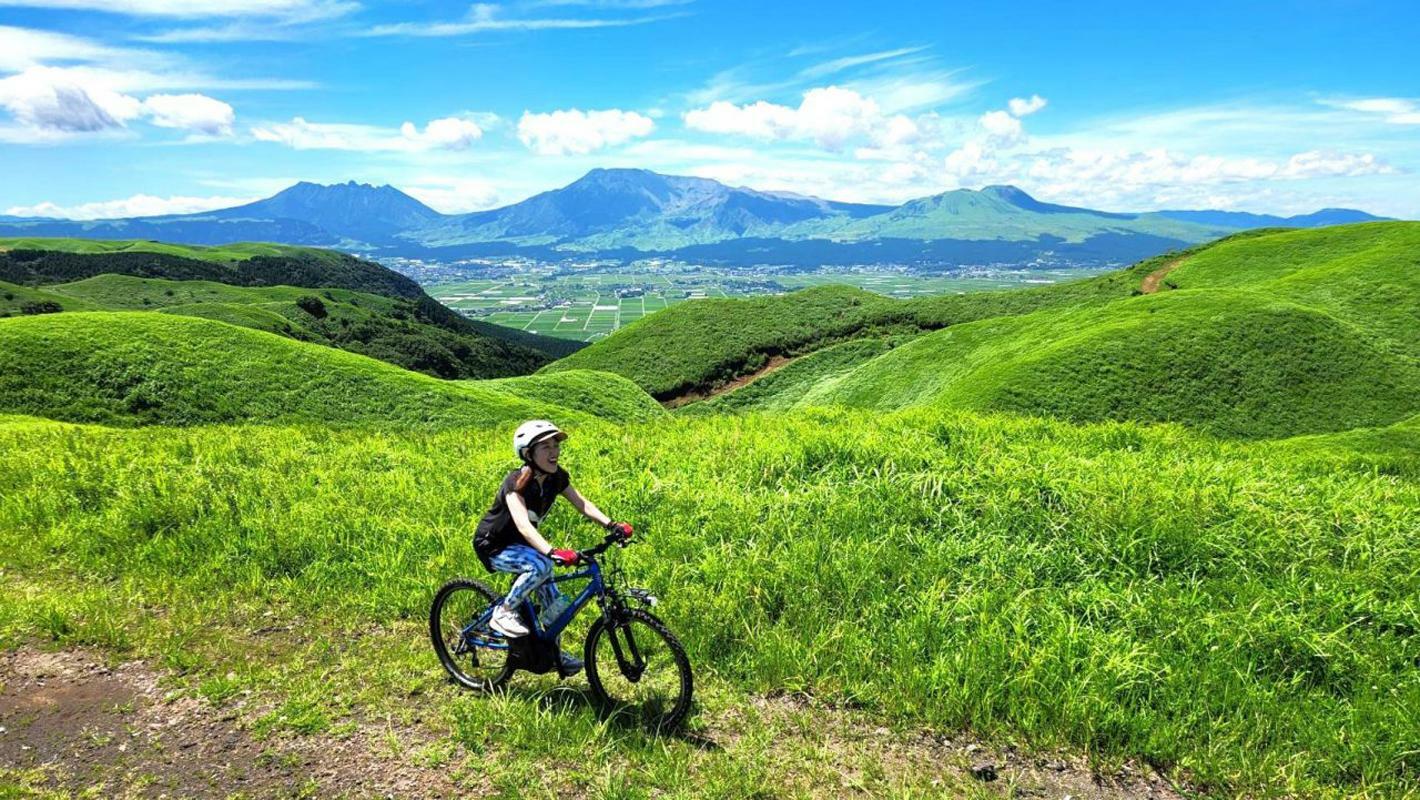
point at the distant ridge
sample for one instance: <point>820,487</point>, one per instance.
<point>1243,219</point>
<point>631,213</point>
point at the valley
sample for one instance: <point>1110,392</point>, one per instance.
<point>588,300</point>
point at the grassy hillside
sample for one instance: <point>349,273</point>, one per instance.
<point>1229,362</point>
<point>17,300</point>
<point>1244,616</point>
<point>392,329</point>
<point>219,254</point>
<point>1367,275</point>
<point>703,344</point>
<point>607,396</point>
<point>142,369</point>
<point>1272,333</point>
<point>38,261</point>
<point>780,389</point>
<point>706,342</point>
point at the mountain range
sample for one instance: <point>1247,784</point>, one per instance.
<point>629,213</point>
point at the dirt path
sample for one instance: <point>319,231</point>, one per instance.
<point>774,363</point>
<point>1153,279</point>
<point>69,723</point>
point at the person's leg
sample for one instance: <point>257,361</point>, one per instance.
<point>532,568</point>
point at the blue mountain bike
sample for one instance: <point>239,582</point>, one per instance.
<point>635,665</point>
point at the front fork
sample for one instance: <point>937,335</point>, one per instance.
<point>623,644</point>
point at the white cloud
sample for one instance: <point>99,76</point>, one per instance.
<point>23,48</point>
<point>1395,110</point>
<point>830,117</point>
<point>1002,127</point>
<point>49,98</point>
<point>996,131</point>
<point>1094,175</point>
<point>581,132</point>
<point>1315,164</point>
<point>192,112</point>
<point>453,195</point>
<point>970,162</point>
<point>1023,108</point>
<point>139,205</point>
<point>449,133</point>
<point>73,101</point>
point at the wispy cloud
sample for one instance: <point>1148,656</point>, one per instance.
<point>449,133</point>
<point>196,9</point>
<point>139,205</point>
<point>1394,110</point>
<point>847,62</point>
<point>485,17</point>
<point>904,79</point>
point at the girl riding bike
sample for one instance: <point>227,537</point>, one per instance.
<point>507,538</point>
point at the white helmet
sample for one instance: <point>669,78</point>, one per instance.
<point>530,433</point>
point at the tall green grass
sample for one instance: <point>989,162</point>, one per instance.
<point>1243,615</point>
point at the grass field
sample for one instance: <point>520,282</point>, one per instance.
<point>1066,520</point>
<point>1243,616</point>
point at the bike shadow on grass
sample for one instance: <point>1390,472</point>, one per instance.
<point>565,698</point>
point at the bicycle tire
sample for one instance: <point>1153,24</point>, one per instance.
<point>601,643</point>
<point>441,631</point>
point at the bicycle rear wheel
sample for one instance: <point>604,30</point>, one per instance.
<point>638,668</point>
<point>474,655</point>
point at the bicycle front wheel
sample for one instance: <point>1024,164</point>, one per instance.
<point>474,655</point>
<point>638,668</point>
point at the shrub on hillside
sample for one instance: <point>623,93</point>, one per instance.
<point>41,307</point>
<point>312,305</point>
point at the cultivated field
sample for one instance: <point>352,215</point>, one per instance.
<point>588,308</point>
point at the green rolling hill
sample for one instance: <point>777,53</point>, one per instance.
<point>357,305</point>
<point>133,368</point>
<point>1227,361</point>
<point>1267,333</point>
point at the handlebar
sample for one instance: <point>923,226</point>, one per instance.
<point>611,539</point>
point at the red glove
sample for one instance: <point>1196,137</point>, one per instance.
<point>622,529</point>
<point>563,556</point>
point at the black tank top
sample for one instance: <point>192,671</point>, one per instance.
<point>496,530</point>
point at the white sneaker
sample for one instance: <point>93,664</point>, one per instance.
<point>553,611</point>
<point>509,623</point>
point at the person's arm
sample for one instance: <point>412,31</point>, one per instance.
<point>519,512</point>
<point>585,506</point>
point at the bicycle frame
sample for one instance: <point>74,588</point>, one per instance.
<point>595,588</point>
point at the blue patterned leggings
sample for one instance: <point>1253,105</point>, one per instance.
<point>534,571</point>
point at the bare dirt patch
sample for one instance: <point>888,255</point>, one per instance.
<point>73,723</point>
<point>774,363</point>
<point>1153,279</point>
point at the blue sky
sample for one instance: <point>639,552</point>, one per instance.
<point>119,107</point>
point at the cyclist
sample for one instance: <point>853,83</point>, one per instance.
<point>507,539</point>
